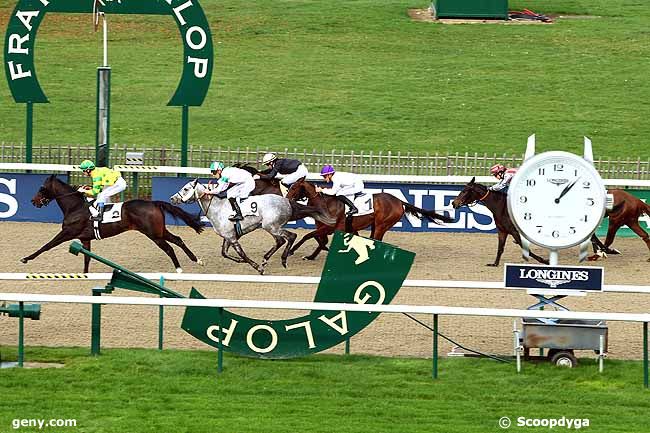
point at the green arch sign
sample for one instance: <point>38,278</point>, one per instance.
<point>188,15</point>
<point>357,271</point>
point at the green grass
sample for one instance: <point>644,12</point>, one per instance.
<point>356,75</point>
<point>139,390</point>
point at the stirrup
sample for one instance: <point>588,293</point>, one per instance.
<point>236,217</point>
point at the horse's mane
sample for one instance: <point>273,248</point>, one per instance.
<point>53,178</point>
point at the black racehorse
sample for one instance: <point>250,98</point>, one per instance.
<point>148,217</point>
<point>496,202</point>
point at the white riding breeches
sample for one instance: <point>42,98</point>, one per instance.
<point>291,178</point>
<point>241,190</point>
<point>111,190</point>
<point>350,191</point>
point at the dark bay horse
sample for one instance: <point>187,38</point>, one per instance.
<point>388,210</point>
<point>148,217</point>
<point>262,186</point>
<point>626,211</point>
<point>496,202</point>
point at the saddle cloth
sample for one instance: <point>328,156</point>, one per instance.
<point>364,202</point>
<point>112,212</point>
<point>249,206</point>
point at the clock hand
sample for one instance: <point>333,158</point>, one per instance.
<point>566,189</point>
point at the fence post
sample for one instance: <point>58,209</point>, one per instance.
<point>161,318</point>
<point>435,346</point>
<point>21,333</point>
<point>645,354</point>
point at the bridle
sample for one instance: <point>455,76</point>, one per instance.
<point>197,198</point>
<point>44,201</point>
<point>475,202</point>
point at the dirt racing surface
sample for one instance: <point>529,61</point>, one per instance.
<point>447,256</point>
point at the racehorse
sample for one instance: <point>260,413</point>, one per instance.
<point>148,217</point>
<point>262,186</point>
<point>626,211</point>
<point>496,202</point>
<point>271,213</point>
<point>388,210</point>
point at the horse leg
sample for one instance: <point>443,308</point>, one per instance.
<point>517,239</point>
<point>176,240</point>
<point>322,240</point>
<point>279,241</point>
<point>62,236</point>
<point>237,246</point>
<point>291,238</point>
<point>502,242</point>
<point>224,252</point>
<point>611,234</point>
<point>163,245</point>
<point>636,228</point>
<point>86,245</point>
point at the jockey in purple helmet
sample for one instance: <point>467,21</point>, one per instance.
<point>345,186</point>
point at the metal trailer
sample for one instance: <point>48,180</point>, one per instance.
<point>561,337</point>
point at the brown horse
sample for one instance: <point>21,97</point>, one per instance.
<point>626,211</point>
<point>148,217</point>
<point>496,202</point>
<point>262,186</point>
<point>388,210</point>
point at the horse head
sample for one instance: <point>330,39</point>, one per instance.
<point>191,192</point>
<point>470,195</point>
<point>45,194</point>
<point>301,189</point>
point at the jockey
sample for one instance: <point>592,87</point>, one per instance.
<point>287,170</point>
<point>345,186</point>
<point>233,183</point>
<point>106,183</point>
<point>504,175</point>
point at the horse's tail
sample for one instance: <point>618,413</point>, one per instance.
<point>431,215</point>
<point>193,221</point>
<point>300,211</point>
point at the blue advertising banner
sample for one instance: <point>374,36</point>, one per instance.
<point>554,277</point>
<point>426,196</point>
<point>16,192</point>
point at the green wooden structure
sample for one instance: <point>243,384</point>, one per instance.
<point>486,9</point>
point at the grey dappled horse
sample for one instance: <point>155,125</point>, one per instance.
<point>273,212</point>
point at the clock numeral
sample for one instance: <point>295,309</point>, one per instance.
<point>523,199</point>
<point>586,184</point>
<point>558,167</point>
<point>584,219</point>
<point>590,202</point>
<point>573,230</point>
<point>575,172</point>
<point>530,182</point>
<point>539,229</point>
<point>528,216</point>
<point>541,171</point>
<point>555,234</point>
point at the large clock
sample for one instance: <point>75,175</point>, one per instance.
<point>556,199</point>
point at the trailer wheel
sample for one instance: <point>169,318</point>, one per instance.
<point>564,358</point>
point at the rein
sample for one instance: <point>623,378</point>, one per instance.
<point>475,202</point>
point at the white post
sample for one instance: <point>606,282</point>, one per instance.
<point>601,354</point>
<point>553,257</point>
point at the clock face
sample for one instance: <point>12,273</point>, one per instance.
<point>556,199</point>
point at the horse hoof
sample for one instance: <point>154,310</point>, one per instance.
<point>23,260</point>
<point>492,265</point>
<point>200,262</point>
<point>307,258</point>
<point>179,270</point>
<point>284,263</point>
<point>593,258</point>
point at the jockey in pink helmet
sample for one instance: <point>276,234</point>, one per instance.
<point>345,186</point>
<point>504,175</point>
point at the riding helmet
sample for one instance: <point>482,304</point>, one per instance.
<point>497,168</point>
<point>328,169</point>
<point>87,165</point>
<point>269,158</point>
<point>217,165</point>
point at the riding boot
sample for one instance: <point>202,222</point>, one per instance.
<point>235,207</point>
<point>353,210</point>
<point>100,213</point>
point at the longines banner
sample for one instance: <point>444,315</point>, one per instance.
<point>427,196</point>
<point>584,278</point>
<point>16,192</point>
<point>357,271</point>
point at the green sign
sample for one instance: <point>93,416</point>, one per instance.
<point>195,34</point>
<point>357,271</point>
<point>625,231</point>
